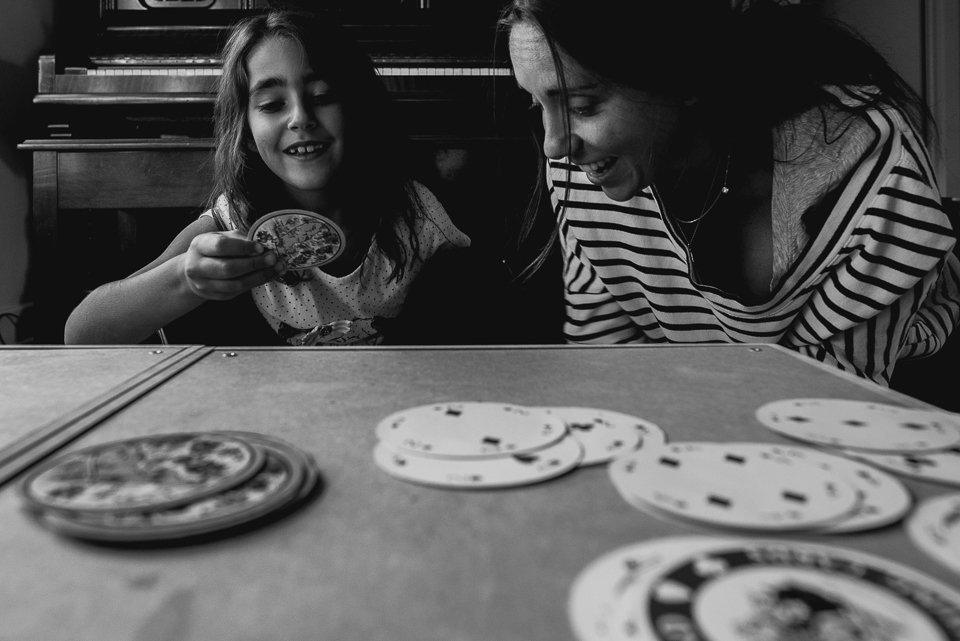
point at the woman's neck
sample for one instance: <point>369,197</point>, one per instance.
<point>687,186</point>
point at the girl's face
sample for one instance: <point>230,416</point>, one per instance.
<point>296,119</point>
<point>622,138</point>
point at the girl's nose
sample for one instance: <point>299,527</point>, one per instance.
<point>556,139</point>
<point>301,116</point>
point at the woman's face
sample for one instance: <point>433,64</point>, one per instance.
<point>622,138</point>
<point>296,119</point>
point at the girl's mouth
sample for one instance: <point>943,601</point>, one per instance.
<point>306,149</point>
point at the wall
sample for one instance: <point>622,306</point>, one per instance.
<point>893,26</point>
<point>26,28</point>
<point>921,38</point>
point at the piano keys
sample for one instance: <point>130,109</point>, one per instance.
<point>198,74</point>
<point>121,99</point>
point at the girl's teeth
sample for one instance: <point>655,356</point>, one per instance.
<point>304,150</point>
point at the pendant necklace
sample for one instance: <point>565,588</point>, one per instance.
<point>707,208</point>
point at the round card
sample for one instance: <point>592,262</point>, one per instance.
<point>605,434</point>
<point>298,458</point>
<point>884,498</point>
<point>597,590</point>
<point>935,528</point>
<point>738,485</point>
<point>470,430</point>
<point>301,238</point>
<point>510,470</point>
<point>278,482</point>
<point>937,467</point>
<point>782,589</point>
<point>150,472</point>
<point>860,425</point>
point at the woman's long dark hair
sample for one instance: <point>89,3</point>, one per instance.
<point>751,64</point>
<point>375,189</point>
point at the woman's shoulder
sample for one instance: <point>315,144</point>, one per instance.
<point>829,130</point>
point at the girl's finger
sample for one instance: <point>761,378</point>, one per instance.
<point>226,244</point>
<point>220,268</point>
<point>227,288</point>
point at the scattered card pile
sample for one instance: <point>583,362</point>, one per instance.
<point>496,445</point>
<point>698,588</point>
<point>922,444</point>
<point>168,486</point>
<point>759,487</point>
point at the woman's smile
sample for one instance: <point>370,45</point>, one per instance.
<point>598,171</point>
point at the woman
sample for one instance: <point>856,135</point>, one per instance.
<point>746,173</point>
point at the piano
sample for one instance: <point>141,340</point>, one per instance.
<point>122,133</point>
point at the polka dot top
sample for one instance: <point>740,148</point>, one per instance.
<point>331,310</point>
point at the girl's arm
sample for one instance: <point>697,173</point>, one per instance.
<point>200,264</point>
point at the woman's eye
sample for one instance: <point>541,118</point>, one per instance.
<point>583,109</point>
<point>323,99</point>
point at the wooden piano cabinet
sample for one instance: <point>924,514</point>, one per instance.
<point>75,177</point>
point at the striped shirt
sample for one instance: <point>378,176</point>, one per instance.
<point>878,280</point>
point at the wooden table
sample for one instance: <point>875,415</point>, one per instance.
<point>49,396</point>
<point>377,558</point>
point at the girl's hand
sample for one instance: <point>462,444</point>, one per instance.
<point>222,265</point>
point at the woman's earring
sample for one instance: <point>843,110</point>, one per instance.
<point>251,144</point>
<point>690,101</point>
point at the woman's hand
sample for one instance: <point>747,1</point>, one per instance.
<point>222,265</point>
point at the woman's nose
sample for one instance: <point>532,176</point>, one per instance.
<point>556,138</point>
<point>301,116</point>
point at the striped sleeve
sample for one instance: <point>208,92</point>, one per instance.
<point>891,289</point>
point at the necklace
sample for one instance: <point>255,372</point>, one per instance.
<point>707,208</point>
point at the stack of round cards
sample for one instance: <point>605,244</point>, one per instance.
<point>718,589</point>
<point>759,487</point>
<point>917,443</point>
<point>934,527</point>
<point>168,486</point>
<point>491,445</point>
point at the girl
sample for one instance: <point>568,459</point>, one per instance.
<point>301,122</point>
<point>736,172</point>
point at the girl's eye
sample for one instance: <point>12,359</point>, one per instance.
<point>271,107</point>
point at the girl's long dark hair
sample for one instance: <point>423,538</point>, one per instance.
<point>375,189</point>
<point>751,64</point>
